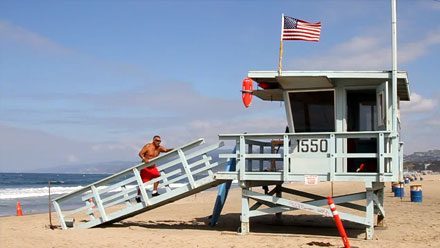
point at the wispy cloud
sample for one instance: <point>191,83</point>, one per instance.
<point>419,48</point>
<point>369,52</point>
<point>418,104</point>
<point>128,119</point>
<point>431,5</point>
<point>420,123</point>
<point>13,33</point>
<point>40,149</point>
<point>25,149</point>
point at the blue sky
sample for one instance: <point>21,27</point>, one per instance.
<point>92,81</point>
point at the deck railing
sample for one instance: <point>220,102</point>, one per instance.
<point>289,156</point>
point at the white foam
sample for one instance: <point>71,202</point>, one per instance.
<point>16,193</point>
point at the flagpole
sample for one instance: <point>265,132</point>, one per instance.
<point>394,75</point>
<point>394,62</point>
<point>280,59</point>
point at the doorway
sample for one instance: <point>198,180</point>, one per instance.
<point>361,116</point>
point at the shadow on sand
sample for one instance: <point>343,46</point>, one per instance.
<point>289,224</point>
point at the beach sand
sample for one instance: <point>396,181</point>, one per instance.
<point>183,224</point>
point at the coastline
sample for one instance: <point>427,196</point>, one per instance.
<point>183,224</point>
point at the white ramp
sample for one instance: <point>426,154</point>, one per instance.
<point>184,171</point>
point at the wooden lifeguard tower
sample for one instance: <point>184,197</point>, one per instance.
<point>345,126</point>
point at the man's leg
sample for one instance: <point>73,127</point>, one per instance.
<point>155,186</point>
<point>155,173</point>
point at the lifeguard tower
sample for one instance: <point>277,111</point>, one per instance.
<point>344,126</point>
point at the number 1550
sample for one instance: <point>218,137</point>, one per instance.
<point>312,145</point>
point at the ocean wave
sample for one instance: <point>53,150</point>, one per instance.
<point>17,193</point>
<point>14,193</point>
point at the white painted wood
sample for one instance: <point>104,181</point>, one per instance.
<point>98,201</point>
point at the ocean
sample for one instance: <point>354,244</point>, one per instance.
<point>31,189</point>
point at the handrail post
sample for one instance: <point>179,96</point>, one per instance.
<point>285,157</point>
<point>141,186</point>
<point>249,167</point>
<point>187,169</point>
<point>60,215</point>
<point>332,151</point>
<point>242,158</point>
<point>98,201</point>
<point>381,158</point>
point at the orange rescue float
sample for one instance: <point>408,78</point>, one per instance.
<point>246,92</point>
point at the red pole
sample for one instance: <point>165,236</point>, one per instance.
<point>338,222</point>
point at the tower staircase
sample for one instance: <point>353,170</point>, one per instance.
<point>184,171</point>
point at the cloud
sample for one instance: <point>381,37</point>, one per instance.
<point>23,149</point>
<point>16,34</point>
<point>130,112</point>
<point>418,104</point>
<point>433,5</point>
<point>420,123</point>
<point>114,126</point>
<point>369,52</point>
<point>413,50</point>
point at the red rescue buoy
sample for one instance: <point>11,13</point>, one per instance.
<point>246,92</point>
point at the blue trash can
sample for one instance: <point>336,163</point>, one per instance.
<point>416,193</point>
<point>399,191</point>
<point>393,187</point>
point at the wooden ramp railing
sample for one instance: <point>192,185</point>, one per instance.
<point>184,171</point>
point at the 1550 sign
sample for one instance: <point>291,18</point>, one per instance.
<point>312,145</point>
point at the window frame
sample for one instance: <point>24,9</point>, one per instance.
<point>289,109</point>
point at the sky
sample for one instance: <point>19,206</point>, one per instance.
<point>92,81</point>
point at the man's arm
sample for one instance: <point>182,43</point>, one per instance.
<point>163,149</point>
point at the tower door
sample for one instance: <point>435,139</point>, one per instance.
<point>362,115</point>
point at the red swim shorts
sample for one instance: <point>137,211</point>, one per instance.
<point>149,173</point>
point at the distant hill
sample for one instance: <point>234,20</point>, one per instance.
<point>109,167</point>
<point>423,157</point>
<point>419,161</point>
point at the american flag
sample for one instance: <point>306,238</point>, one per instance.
<point>295,29</point>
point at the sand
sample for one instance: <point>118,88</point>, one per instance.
<point>183,224</point>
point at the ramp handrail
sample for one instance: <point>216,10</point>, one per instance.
<point>102,198</point>
<point>138,166</point>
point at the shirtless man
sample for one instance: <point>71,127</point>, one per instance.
<point>149,151</point>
